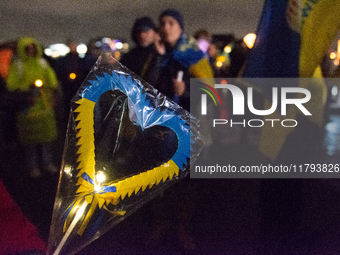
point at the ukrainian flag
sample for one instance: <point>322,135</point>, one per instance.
<point>292,38</point>
<point>191,57</point>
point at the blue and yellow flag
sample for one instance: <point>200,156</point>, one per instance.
<point>191,57</point>
<point>292,38</point>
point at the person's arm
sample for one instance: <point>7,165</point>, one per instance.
<point>179,87</point>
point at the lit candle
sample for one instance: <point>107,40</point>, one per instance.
<point>38,83</point>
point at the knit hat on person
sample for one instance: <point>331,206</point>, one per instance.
<point>142,25</point>
<point>175,14</point>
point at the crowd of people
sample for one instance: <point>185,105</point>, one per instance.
<point>158,57</point>
<point>36,93</point>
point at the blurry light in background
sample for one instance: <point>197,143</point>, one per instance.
<point>227,49</point>
<point>72,76</point>
<point>249,40</point>
<point>81,49</point>
<point>114,44</point>
<point>219,64</point>
<point>60,50</point>
<point>335,91</point>
<point>119,45</point>
<point>57,50</point>
<point>221,59</point>
<point>38,83</point>
<point>105,44</point>
<point>203,45</point>
<point>48,52</point>
<point>106,40</point>
<point>332,55</point>
<point>337,54</point>
<point>116,55</point>
<point>125,47</point>
<point>98,44</point>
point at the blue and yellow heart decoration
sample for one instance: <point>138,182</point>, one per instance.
<point>146,115</point>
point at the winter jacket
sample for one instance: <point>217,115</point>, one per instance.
<point>36,121</point>
<point>185,57</point>
<point>140,60</point>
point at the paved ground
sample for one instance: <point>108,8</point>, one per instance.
<point>231,216</point>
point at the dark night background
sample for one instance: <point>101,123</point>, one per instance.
<point>55,21</point>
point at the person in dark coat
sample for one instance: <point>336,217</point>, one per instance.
<point>144,54</point>
<point>71,74</point>
<point>179,60</point>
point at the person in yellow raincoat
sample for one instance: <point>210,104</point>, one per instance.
<point>30,75</point>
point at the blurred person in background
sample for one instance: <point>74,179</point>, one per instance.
<point>203,38</point>
<point>144,54</point>
<point>179,60</point>
<point>237,56</point>
<point>92,54</point>
<point>71,73</point>
<point>214,50</point>
<point>219,59</point>
<point>32,79</point>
